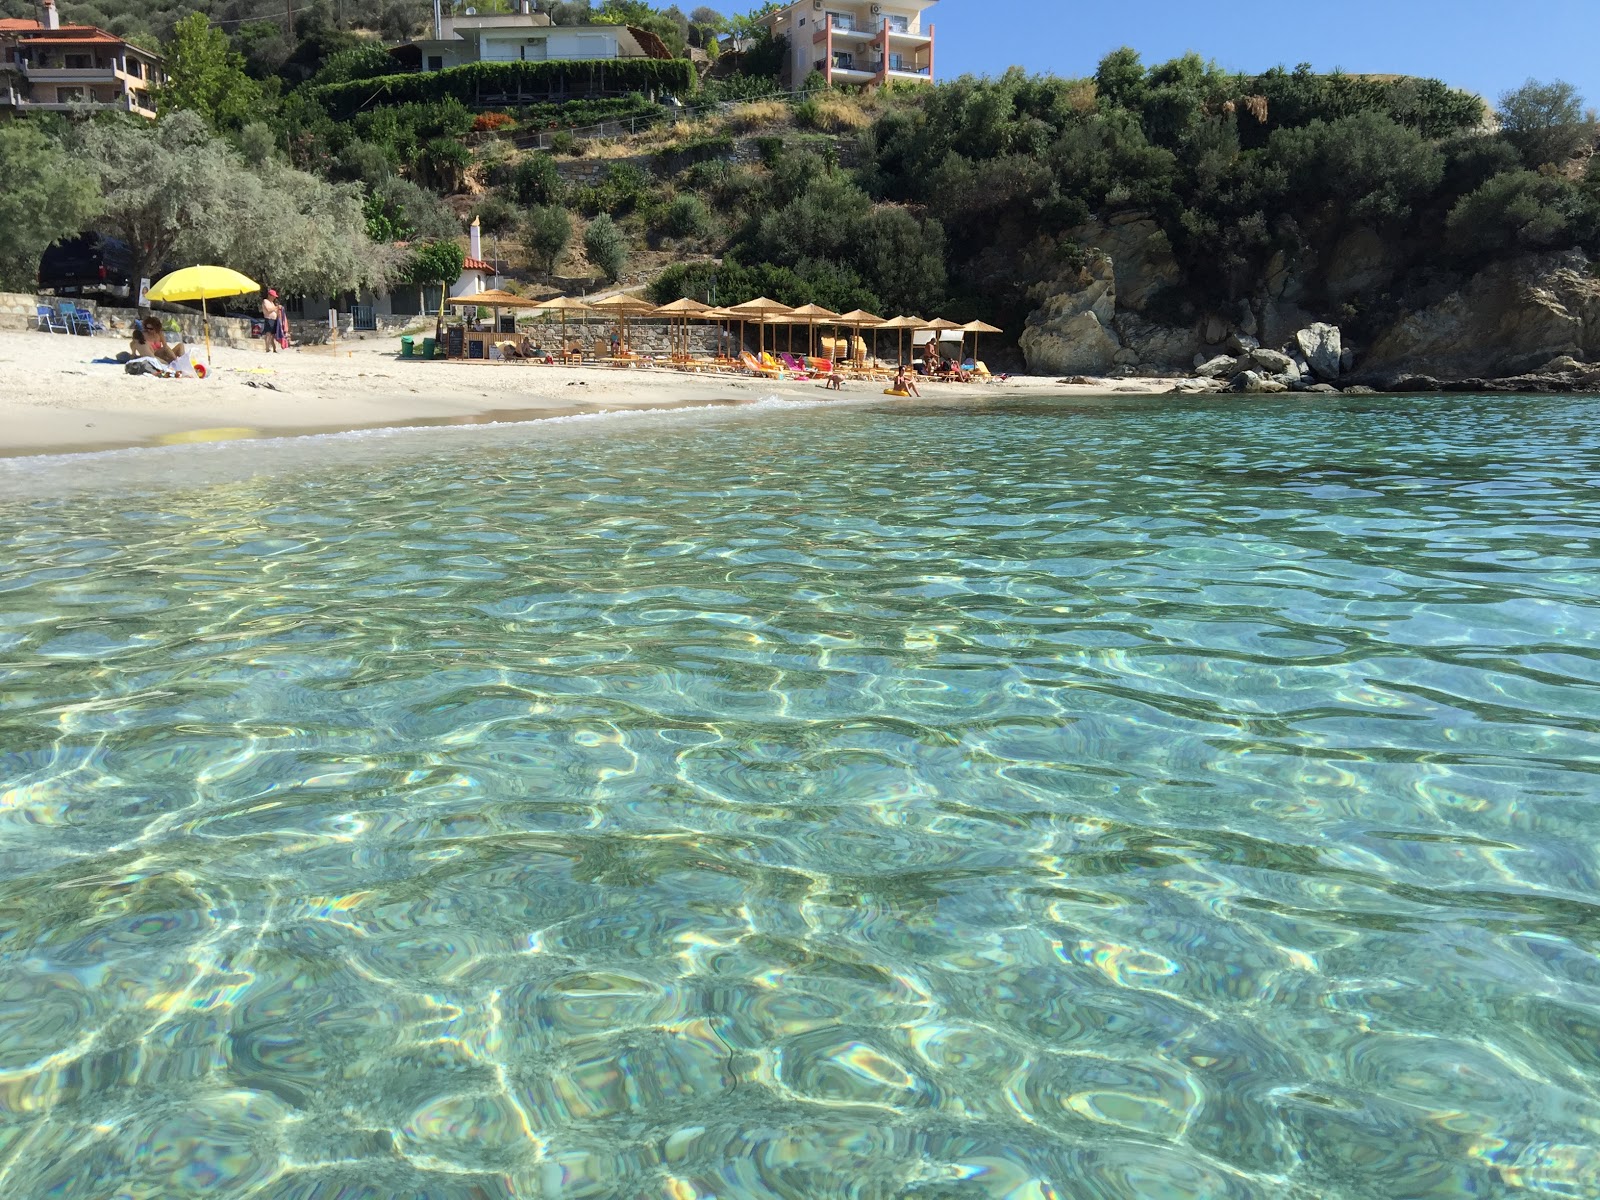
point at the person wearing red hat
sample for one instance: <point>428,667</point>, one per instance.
<point>272,321</point>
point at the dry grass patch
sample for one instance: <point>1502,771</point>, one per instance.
<point>759,114</point>
<point>833,114</point>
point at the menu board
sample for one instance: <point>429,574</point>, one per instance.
<point>455,342</point>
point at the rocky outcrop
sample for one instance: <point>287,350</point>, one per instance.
<point>1508,319</point>
<point>1361,262</point>
<point>1140,255</point>
<point>1070,333</point>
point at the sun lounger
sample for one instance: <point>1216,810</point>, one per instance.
<point>793,365</point>
<point>756,367</point>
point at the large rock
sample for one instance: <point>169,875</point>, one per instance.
<point>1510,318</point>
<point>1254,381</point>
<point>1141,256</point>
<point>1274,362</point>
<point>1243,343</point>
<point>1218,367</point>
<point>1070,332</point>
<point>1322,344</point>
<point>1166,346</point>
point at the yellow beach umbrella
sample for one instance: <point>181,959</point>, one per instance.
<point>202,284</point>
<point>760,310</point>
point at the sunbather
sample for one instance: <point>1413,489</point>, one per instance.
<point>150,340</point>
<point>904,383</point>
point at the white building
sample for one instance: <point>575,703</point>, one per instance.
<point>862,43</point>
<point>523,36</point>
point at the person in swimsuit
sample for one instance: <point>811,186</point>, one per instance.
<point>271,312</point>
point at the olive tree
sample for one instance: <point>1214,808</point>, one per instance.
<point>1546,122</point>
<point>47,195</point>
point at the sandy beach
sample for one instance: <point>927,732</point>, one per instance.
<point>55,396</point>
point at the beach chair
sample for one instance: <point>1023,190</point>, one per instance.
<point>80,320</point>
<point>820,367</point>
<point>48,320</point>
<point>794,365</point>
<point>755,366</point>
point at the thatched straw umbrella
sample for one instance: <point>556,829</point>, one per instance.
<point>903,323</point>
<point>811,314</point>
<point>761,310</point>
<point>683,310</point>
<point>622,306</point>
<point>564,305</point>
<point>975,328</point>
<point>857,320</point>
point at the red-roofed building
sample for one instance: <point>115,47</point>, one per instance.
<point>48,66</point>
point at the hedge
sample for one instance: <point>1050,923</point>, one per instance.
<point>496,84</point>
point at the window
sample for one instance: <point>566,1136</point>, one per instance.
<point>802,20</point>
<point>70,95</point>
<point>897,62</point>
<point>844,61</point>
<point>435,62</point>
<point>593,45</point>
<point>536,50</point>
<point>842,21</point>
<point>79,62</point>
<point>899,24</point>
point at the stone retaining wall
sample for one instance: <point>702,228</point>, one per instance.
<point>17,312</point>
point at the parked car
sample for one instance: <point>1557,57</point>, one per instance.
<point>90,264</point>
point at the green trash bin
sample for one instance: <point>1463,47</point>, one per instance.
<point>406,346</point>
<point>428,345</point>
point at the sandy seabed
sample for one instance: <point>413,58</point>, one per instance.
<point>55,397</point>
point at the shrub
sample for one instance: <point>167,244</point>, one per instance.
<point>564,143</point>
<point>602,242</point>
<point>685,216</point>
<point>831,113</point>
<point>762,114</point>
<point>1521,211</point>
<point>738,88</point>
<point>496,216</point>
<point>545,236</point>
<point>771,150</point>
<point>618,191</point>
<point>490,121</point>
<point>534,180</point>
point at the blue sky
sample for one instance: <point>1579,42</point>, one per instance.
<point>1486,46</point>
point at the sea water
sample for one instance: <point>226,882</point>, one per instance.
<point>1116,798</point>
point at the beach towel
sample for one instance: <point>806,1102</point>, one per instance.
<point>281,328</point>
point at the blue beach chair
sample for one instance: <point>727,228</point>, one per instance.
<point>47,320</point>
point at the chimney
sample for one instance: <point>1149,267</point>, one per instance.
<point>438,20</point>
<point>525,7</point>
<point>477,241</point>
<point>48,16</point>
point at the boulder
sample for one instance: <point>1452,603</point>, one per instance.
<point>1562,362</point>
<point>1323,389</point>
<point>1274,362</point>
<point>1214,329</point>
<point>1347,360</point>
<point>1255,382</point>
<point>1243,343</point>
<point>1125,357</point>
<point>1216,368</point>
<point>1166,346</point>
<point>1195,387</point>
<point>1322,344</point>
<point>1511,317</point>
<point>1070,332</point>
<point>1359,389</point>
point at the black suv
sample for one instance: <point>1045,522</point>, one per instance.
<point>90,264</point>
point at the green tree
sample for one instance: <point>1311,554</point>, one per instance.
<point>545,236</point>
<point>602,242</point>
<point>48,195</point>
<point>436,264</point>
<point>1376,169</point>
<point>535,180</point>
<point>495,216</point>
<point>206,75</point>
<point>1546,122</point>
<point>1523,211</point>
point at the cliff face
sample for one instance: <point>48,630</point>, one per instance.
<point>1510,318</point>
<point>1106,317</point>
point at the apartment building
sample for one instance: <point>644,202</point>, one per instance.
<point>51,67</point>
<point>856,42</point>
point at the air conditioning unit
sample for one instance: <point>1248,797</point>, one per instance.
<point>817,4</point>
<point>877,9</point>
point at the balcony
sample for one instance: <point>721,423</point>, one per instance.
<point>60,74</point>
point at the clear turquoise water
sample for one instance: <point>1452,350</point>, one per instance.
<point>1118,798</point>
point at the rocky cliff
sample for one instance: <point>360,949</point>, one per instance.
<point>1110,312</point>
